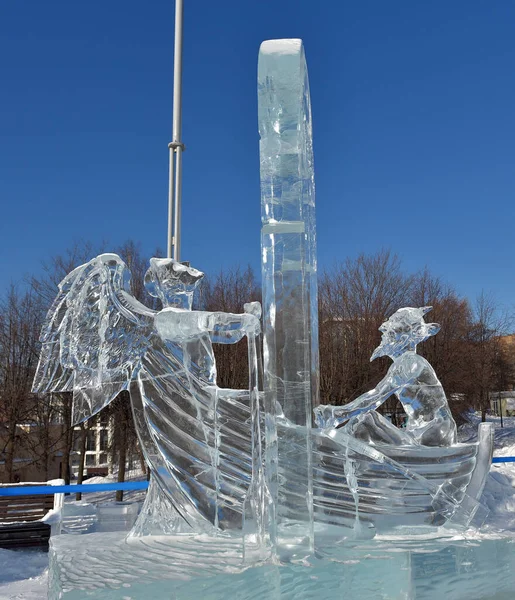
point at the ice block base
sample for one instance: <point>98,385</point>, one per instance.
<point>107,566</point>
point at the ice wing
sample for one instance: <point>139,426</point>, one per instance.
<point>51,375</point>
<point>94,336</point>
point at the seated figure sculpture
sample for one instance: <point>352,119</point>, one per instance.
<point>411,378</point>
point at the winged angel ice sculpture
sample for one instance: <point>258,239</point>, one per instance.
<point>203,443</point>
<point>98,340</point>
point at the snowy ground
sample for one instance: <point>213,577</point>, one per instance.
<point>499,493</point>
<point>23,574</point>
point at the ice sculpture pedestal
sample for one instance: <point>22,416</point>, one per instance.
<point>105,566</point>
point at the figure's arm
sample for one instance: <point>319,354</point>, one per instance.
<point>178,325</point>
<point>229,328</point>
<point>332,416</point>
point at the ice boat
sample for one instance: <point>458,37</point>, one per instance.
<point>210,462</point>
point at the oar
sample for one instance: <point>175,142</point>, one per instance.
<point>257,500</point>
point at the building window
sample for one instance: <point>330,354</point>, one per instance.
<point>91,441</point>
<point>104,440</point>
<point>91,459</point>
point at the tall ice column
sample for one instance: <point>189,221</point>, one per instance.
<point>290,303</point>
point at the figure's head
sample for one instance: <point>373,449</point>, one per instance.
<point>403,331</point>
<point>172,282</point>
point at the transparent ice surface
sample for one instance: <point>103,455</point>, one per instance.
<point>290,302</point>
<point>450,567</point>
<point>411,378</point>
<point>94,335</point>
<point>246,468</point>
<point>204,443</point>
<point>99,340</point>
<point>429,423</point>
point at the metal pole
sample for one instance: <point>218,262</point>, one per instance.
<point>177,207</point>
<point>177,73</point>
<point>176,146</point>
<point>169,245</point>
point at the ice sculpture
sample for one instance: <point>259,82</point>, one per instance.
<point>288,245</point>
<point>99,340</point>
<point>246,465</point>
<point>429,420</point>
<point>411,378</point>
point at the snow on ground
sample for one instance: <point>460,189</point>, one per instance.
<point>23,574</point>
<point>499,493</point>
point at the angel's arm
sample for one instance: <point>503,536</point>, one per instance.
<point>178,325</point>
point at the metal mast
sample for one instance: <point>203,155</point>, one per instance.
<point>176,147</point>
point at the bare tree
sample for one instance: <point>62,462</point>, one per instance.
<point>84,430</point>
<point>354,298</point>
<point>490,323</point>
<point>57,267</point>
<point>357,295</point>
<point>19,331</point>
<point>448,351</point>
<point>124,442</point>
<point>138,263</point>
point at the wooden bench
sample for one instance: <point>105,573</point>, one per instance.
<point>96,472</point>
<point>35,534</point>
<point>21,524</point>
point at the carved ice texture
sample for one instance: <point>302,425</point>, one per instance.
<point>412,379</point>
<point>98,340</point>
<point>429,423</point>
<point>288,245</point>
<point>313,486</point>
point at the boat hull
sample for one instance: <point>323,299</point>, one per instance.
<point>198,441</point>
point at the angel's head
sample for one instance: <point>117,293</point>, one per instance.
<point>403,331</point>
<point>172,282</point>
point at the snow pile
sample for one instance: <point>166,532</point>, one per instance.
<point>499,493</point>
<point>499,498</point>
<point>23,575</point>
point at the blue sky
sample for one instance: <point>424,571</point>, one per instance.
<point>414,129</point>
